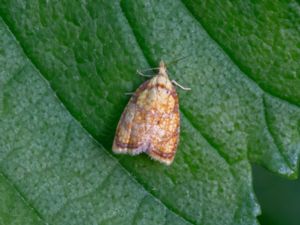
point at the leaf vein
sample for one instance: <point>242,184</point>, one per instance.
<point>23,197</point>
<point>270,131</point>
<point>235,61</point>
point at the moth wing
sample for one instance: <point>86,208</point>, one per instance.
<point>131,135</point>
<point>165,135</point>
<point>150,122</point>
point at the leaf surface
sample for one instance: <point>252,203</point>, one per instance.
<point>66,67</point>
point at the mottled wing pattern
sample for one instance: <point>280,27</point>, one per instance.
<point>165,134</point>
<point>131,135</point>
<point>151,121</point>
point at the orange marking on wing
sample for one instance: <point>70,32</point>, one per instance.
<point>151,122</point>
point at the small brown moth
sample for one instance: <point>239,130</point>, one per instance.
<point>150,122</point>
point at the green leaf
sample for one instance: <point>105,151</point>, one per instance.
<point>65,67</point>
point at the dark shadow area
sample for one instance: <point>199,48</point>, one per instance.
<point>278,197</point>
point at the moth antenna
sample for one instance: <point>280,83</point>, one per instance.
<point>183,88</point>
<point>177,60</point>
<point>140,72</point>
<point>142,75</point>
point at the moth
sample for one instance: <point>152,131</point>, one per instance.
<point>150,122</point>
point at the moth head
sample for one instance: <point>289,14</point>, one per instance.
<point>162,68</point>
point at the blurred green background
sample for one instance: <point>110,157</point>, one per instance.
<point>279,198</point>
